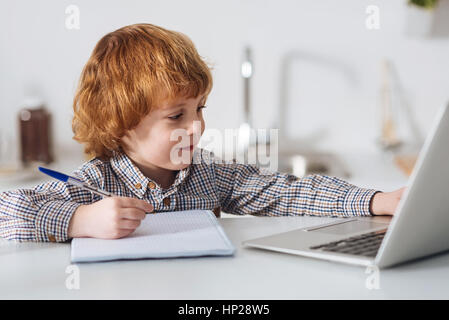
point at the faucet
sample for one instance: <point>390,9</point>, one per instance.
<point>247,72</point>
<point>254,147</point>
<point>245,138</point>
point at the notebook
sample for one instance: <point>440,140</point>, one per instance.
<point>172,234</point>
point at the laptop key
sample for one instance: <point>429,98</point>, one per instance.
<point>365,244</point>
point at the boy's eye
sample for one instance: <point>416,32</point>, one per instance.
<point>176,117</point>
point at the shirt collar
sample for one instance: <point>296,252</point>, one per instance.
<point>136,181</point>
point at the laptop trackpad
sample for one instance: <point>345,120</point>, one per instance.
<point>350,227</point>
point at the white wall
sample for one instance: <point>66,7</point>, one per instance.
<point>334,81</point>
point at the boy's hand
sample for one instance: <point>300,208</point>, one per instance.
<point>109,218</point>
<point>385,203</point>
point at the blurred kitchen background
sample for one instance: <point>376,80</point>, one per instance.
<point>353,86</point>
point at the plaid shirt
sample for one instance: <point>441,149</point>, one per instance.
<point>44,212</point>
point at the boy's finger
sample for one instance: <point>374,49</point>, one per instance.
<point>132,214</point>
<point>127,202</point>
<point>129,224</point>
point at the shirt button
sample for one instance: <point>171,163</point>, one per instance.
<point>51,238</point>
<point>166,201</point>
<point>152,185</point>
<point>138,186</point>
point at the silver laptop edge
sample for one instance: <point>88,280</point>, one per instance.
<point>420,226</point>
<point>432,165</point>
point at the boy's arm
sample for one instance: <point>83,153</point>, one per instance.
<point>245,189</point>
<point>42,213</point>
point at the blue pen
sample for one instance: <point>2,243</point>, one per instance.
<point>71,180</point>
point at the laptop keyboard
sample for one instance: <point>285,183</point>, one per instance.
<point>363,245</point>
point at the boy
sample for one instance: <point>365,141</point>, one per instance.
<point>141,84</point>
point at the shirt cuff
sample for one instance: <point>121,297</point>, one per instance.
<point>357,201</point>
<point>52,220</point>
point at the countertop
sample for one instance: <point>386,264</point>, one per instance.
<point>42,271</point>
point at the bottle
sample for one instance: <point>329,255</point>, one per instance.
<point>35,136</point>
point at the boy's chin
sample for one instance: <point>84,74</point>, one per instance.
<point>180,166</point>
<point>181,162</point>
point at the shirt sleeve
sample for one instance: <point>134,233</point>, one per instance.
<point>42,213</point>
<point>247,189</point>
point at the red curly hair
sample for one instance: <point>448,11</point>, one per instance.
<point>129,73</point>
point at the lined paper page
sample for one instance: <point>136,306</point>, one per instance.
<point>162,235</point>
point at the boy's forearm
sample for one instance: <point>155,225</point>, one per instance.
<point>247,191</point>
<point>27,215</point>
<point>53,219</point>
<point>358,202</point>
<point>42,213</point>
<point>76,225</point>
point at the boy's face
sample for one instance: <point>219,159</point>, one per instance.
<point>164,137</point>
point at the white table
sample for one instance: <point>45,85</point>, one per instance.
<point>38,271</point>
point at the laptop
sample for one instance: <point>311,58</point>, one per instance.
<point>419,227</point>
